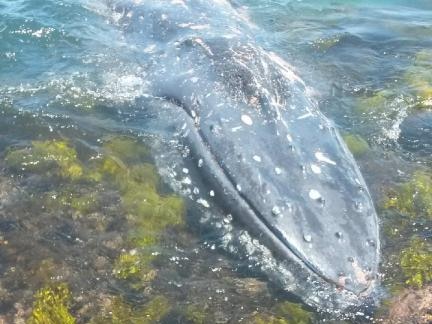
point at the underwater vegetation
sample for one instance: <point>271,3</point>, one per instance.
<point>389,104</point>
<point>356,144</point>
<point>413,198</point>
<point>378,102</point>
<point>416,263</point>
<point>408,207</point>
<point>148,212</point>
<point>326,43</point>
<point>122,166</point>
<point>196,314</point>
<point>51,306</point>
<point>284,313</point>
<point>47,156</point>
<point>416,84</point>
<point>119,312</point>
<point>419,78</point>
<point>413,201</point>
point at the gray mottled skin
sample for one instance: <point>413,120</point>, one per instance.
<point>252,143</point>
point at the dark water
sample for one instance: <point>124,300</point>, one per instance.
<point>74,173</point>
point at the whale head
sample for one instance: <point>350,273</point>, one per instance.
<point>270,158</point>
<point>281,168</point>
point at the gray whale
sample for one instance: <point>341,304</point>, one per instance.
<point>249,141</point>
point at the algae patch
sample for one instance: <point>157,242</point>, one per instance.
<point>121,312</point>
<point>285,313</point>
<point>379,102</point>
<point>413,198</point>
<point>196,314</point>
<point>46,156</point>
<point>148,212</point>
<point>416,263</point>
<point>119,186</point>
<point>326,43</point>
<point>52,306</point>
<point>419,78</point>
<point>356,144</point>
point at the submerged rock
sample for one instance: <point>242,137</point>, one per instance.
<point>410,307</point>
<point>416,133</point>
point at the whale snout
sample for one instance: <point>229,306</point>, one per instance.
<point>317,205</point>
<point>305,192</point>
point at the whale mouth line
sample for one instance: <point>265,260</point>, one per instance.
<point>275,235</point>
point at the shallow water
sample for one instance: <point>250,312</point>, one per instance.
<point>71,212</point>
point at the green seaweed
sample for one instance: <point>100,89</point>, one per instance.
<point>294,312</point>
<point>285,313</point>
<point>326,43</point>
<point>51,306</point>
<point>44,156</point>
<point>84,203</point>
<point>413,198</point>
<point>121,312</point>
<point>83,199</point>
<point>135,267</point>
<point>416,263</point>
<point>268,319</point>
<point>356,144</point>
<point>148,212</point>
<point>122,166</point>
<point>195,314</point>
<point>129,150</point>
<point>377,103</point>
<point>419,78</point>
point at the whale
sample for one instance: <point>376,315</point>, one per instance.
<point>241,137</point>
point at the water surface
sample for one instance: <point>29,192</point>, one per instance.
<point>69,84</point>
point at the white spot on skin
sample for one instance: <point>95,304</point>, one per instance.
<point>289,138</point>
<point>200,163</point>
<point>200,42</point>
<point>212,193</point>
<point>322,158</point>
<point>187,181</point>
<point>278,171</point>
<point>307,238</point>
<point>287,70</point>
<point>193,26</point>
<point>276,211</point>
<point>185,171</point>
<point>315,169</point>
<point>203,202</point>
<point>179,2</point>
<point>305,116</point>
<point>247,120</point>
<point>239,188</point>
<point>314,194</point>
<point>257,158</point>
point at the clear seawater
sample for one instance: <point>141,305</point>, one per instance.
<point>67,77</point>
